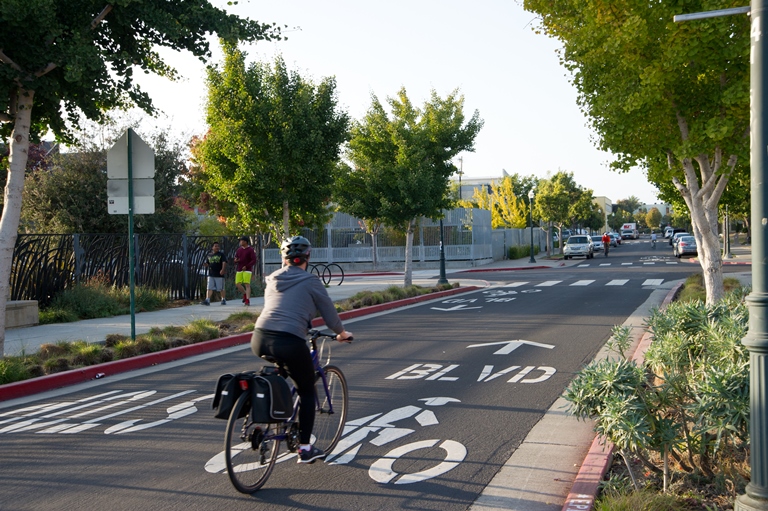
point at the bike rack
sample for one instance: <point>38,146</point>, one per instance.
<point>326,272</point>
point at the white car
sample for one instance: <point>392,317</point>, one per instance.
<point>579,245</point>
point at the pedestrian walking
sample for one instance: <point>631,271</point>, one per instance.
<point>245,259</point>
<point>216,262</point>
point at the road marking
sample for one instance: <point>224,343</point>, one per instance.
<point>671,262</point>
<point>582,282</point>
<point>652,262</point>
<point>455,308</point>
<point>626,264</point>
<point>617,282</point>
<point>653,282</point>
<point>516,284</point>
<point>583,266</point>
<point>510,346</point>
<point>605,264</point>
<point>548,283</point>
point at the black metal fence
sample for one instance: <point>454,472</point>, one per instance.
<point>46,264</point>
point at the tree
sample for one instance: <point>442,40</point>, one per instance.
<point>507,200</point>
<point>69,193</point>
<point>618,218</point>
<point>560,201</point>
<point>630,204</point>
<point>405,159</point>
<point>273,143</point>
<point>61,60</point>
<point>659,102</point>
<point>653,218</point>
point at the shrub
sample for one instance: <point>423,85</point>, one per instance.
<point>201,330</point>
<point>12,369</point>
<point>59,349</point>
<point>56,365</point>
<point>521,251</point>
<point>689,400</point>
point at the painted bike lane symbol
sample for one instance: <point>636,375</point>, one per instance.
<point>382,429</point>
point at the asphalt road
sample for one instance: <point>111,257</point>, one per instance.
<point>441,394</point>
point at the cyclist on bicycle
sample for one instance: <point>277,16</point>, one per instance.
<point>606,242</point>
<point>653,239</point>
<point>291,299</point>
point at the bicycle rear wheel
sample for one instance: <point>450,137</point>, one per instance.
<point>250,449</point>
<point>331,409</point>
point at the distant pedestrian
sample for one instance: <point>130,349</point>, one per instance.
<point>245,259</point>
<point>216,262</point>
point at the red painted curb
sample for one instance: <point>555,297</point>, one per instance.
<point>57,380</point>
<point>585,486</point>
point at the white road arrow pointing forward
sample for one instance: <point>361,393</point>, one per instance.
<point>510,346</point>
<point>456,308</point>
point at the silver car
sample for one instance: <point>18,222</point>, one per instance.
<point>685,245</point>
<point>579,245</point>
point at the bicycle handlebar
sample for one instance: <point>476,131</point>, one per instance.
<point>314,335</point>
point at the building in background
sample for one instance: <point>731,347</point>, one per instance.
<point>605,204</point>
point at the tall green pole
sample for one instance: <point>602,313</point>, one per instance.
<point>530,222</point>
<point>756,340</point>
<point>442,280</point>
<point>131,262</point>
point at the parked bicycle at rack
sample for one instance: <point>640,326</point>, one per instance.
<point>327,272</point>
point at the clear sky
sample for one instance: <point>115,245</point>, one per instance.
<point>485,48</point>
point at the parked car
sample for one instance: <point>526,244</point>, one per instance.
<point>579,245</point>
<point>675,237</point>
<point>566,234</point>
<point>673,232</point>
<point>615,239</point>
<point>597,241</point>
<point>668,232</point>
<point>686,245</point>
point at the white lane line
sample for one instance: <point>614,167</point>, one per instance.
<point>582,282</point>
<point>548,283</point>
<point>605,264</point>
<point>626,264</point>
<point>652,262</point>
<point>671,262</point>
<point>583,266</point>
<point>653,282</point>
<point>617,282</point>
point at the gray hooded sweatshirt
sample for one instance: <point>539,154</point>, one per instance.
<point>291,300</point>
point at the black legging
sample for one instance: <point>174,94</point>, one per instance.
<point>293,353</point>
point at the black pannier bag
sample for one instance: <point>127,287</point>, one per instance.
<point>271,398</point>
<point>227,391</point>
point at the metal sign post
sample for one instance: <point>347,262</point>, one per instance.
<point>130,150</point>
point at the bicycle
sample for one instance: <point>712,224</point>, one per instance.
<point>605,248</point>
<point>256,446</point>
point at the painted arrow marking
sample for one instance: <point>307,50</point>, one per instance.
<point>456,308</point>
<point>510,346</point>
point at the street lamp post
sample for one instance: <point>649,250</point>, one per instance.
<point>530,222</point>
<point>442,279</point>
<point>756,340</point>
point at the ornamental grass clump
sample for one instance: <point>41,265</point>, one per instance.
<point>687,406</point>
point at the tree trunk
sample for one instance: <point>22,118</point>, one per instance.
<point>702,201</point>
<point>286,220</point>
<point>408,279</point>
<point>9,222</point>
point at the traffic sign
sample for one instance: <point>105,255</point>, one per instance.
<point>142,156</point>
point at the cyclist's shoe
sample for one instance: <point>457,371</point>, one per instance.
<point>223,302</point>
<point>310,455</point>
<point>247,302</point>
<point>205,302</point>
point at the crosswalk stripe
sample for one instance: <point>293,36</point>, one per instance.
<point>605,264</point>
<point>582,282</point>
<point>653,282</point>
<point>671,262</point>
<point>617,282</point>
<point>583,266</point>
<point>516,284</point>
<point>626,264</point>
<point>549,283</point>
<point>652,262</point>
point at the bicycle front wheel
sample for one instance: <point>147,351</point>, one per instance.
<point>250,448</point>
<point>330,409</point>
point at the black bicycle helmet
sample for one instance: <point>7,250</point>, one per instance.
<point>296,250</point>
